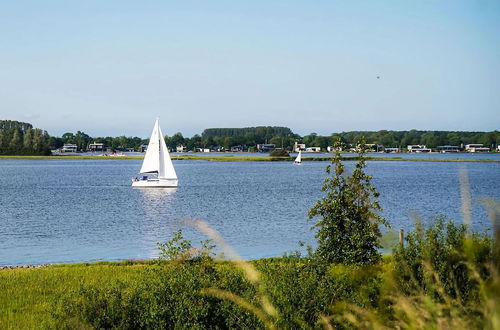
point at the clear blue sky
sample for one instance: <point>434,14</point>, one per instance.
<point>111,67</point>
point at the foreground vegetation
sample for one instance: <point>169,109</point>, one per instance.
<point>443,277</point>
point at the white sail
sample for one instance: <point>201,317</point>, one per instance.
<point>157,159</point>
<point>298,160</point>
<point>166,170</point>
<point>151,162</point>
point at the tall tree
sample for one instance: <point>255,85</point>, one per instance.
<point>348,225</point>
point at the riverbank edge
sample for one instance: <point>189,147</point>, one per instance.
<point>259,159</point>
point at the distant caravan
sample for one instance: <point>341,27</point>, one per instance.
<point>156,161</point>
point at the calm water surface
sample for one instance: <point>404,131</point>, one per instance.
<point>56,211</point>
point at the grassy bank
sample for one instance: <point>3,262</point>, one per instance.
<point>28,295</point>
<point>256,158</point>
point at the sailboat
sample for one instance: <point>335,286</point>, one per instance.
<point>298,160</point>
<point>157,161</point>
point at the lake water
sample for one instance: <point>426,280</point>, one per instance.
<point>58,211</point>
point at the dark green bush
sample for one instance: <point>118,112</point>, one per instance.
<point>168,296</point>
<point>165,297</point>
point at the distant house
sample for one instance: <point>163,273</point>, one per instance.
<point>219,149</point>
<point>265,147</point>
<point>448,149</point>
<point>391,150</point>
<point>67,147</point>
<point>374,147</point>
<point>202,150</point>
<point>476,147</point>
<point>417,148</point>
<point>313,149</point>
<point>332,149</point>
<point>239,148</point>
<point>94,147</point>
<point>299,146</point>
<point>181,149</point>
<point>144,147</point>
<point>129,149</point>
<point>498,148</point>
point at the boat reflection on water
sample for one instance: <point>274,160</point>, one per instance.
<point>157,207</point>
<point>156,196</point>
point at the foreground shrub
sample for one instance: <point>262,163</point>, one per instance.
<point>187,294</point>
<point>444,278</point>
<point>445,252</point>
<point>164,297</point>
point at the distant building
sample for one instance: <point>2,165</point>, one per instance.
<point>498,148</point>
<point>144,147</point>
<point>239,148</point>
<point>391,150</point>
<point>332,149</point>
<point>67,147</point>
<point>416,148</point>
<point>219,149</point>
<point>476,147</point>
<point>181,149</point>
<point>374,147</point>
<point>202,150</point>
<point>265,147</point>
<point>299,146</point>
<point>313,149</point>
<point>94,147</point>
<point>447,149</point>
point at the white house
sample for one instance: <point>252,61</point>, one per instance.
<point>181,149</point>
<point>95,147</point>
<point>476,147</point>
<point>67,147</point>
<point>299,146</point>
<point>417,148</point>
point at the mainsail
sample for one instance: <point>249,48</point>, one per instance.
<point>298,160</point>
<point>157,159</point>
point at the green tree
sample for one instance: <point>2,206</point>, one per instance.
<point>27,141</point>
<point>348,224</point>
<point>16,141</point>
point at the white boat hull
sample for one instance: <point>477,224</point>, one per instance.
<point>155,183</point>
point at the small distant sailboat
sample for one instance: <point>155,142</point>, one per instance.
<point>157,161</point>
<point>298,160</point>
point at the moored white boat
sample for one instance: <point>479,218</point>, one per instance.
<point>157,161</point>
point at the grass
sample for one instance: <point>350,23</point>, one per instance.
<point>28,295</point>
<point>256,158</point>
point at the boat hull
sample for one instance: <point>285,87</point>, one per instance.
<point>155,183</point>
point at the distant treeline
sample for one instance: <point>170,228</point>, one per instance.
<point>262,132</point>
<point>82,141</point>
<point>17,138</point>
<point>401,139</point>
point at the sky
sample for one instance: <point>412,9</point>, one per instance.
<point>109,68</point>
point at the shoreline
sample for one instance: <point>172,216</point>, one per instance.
<point>255,158</point>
